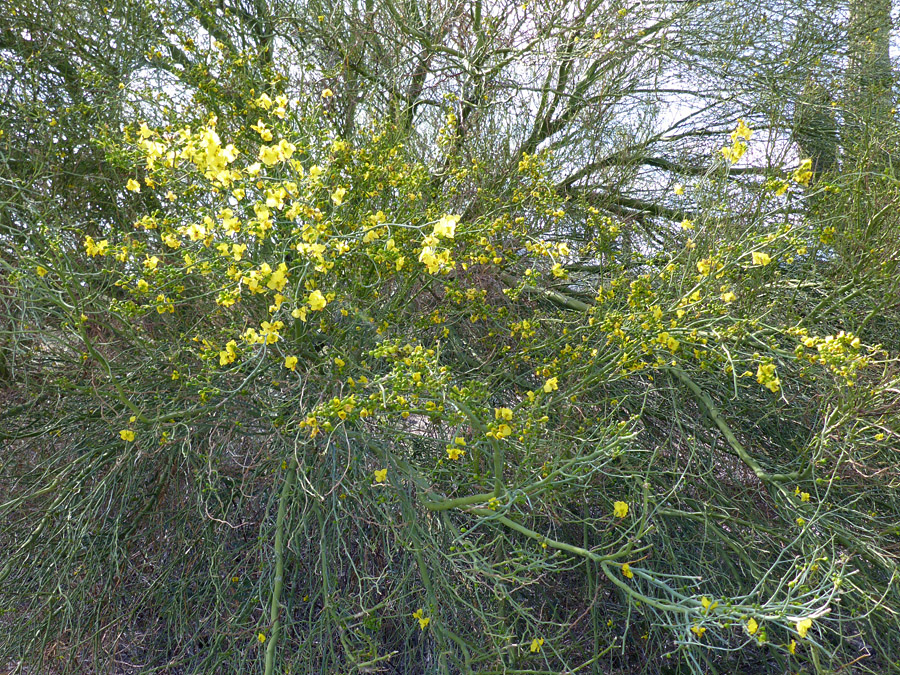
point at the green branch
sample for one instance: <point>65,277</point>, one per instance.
<point>279,569</point>
<point>736,446</point>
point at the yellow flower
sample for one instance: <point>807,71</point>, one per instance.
<point>133,185</point>
<point>792,648</point>
<point>261,637</point>
<point>708,605</point>
<point>317,301</point>
<point>269,333</point>
<point>803,627</point>
<point>264,132</point>
<point>698,631</point>
<point>423,620</point>
<point>620,509</point>
<point>735,152</point>
<point>804,172</point>
<point>626,571</point>
<point>126,435</point>
<point>327,93</point>
<point>752,626</point>
<point>762,259</point>
<point>551,385</point>
<point>503,413</point>
<point>290,362</point>
<point>269,154</point>
<point>765,375</point>
<point>679,189</point>
<point>278,279</point>
<point>195,231</point>
<point>454,452</point>
<point>380,475</point>
<point>536,645</point>
<point>742,131</point>
<point>338,196</point>
<point>428,258</point>
<point>446,227</point>
<point>728,297</point>
<point>804,496</point>
<point>669,341</point>
<point>687,224</point>
<point>41,271</point>
<point>95,247</point>
<point>502,431</point>
<point>229,354</point>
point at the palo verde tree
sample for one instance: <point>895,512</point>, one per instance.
<point>434,337</point>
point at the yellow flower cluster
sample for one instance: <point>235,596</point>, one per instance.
<point>841,353</point>
<point>280,103</point>
<point>229,354</point>
<point>446,227</point>
<point>455,451</point>
<point>94,248</point>
<point>272,154</point>
<point>164,305</point>
<point>739,136</point>
<point>206,152</point>
<point>269,333</point>
<point>668,341</point>
<point>499,431</point>
<point>423,620</point>
<point>435,261</point>
<point>273,279</point>
<point>708,266</point>
<point>803,173</point>
<point>765,375</point>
